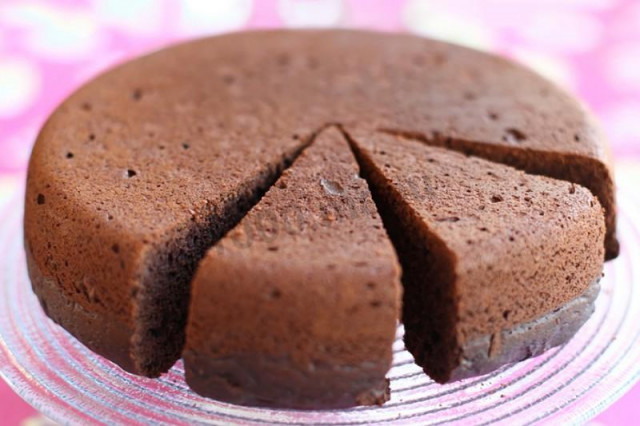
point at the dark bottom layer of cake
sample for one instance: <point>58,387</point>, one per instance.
<point>485,354</point>
<point>265,381</point>
<point>269,382</point>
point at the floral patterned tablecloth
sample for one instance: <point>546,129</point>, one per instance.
<point>50,47</point>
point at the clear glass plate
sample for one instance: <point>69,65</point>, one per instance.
<point>571,384</point>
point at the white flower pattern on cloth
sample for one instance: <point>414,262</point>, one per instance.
<point>547,31</point>
<point>310,13</point>
<point>19,85</point>
<point>133,16</point>
<point>53,32</point>
<point>198,17</point>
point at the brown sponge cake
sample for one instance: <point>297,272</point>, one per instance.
<point>297,306</point>
<point>142,170</point>
<point>484,248</point>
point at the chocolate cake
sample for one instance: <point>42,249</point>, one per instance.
<point>141,171</point>
<point>498,265</point>
<point>297,306</point>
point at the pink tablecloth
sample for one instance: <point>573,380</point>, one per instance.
<point>48,48</point>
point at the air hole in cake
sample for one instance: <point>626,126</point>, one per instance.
<point>69,155</point>
<point>469,96</point>
<point>576,138</point>
<point>109,217</point>
<point>419,60</point>
<point>283,59</point>
<point>185,145</point>
<point>439,58</point>
<point>312,63</point>
<point>86,106</point>
<point>275,293</point>
<point>161,147</point>
<point>131,173</point>
<point>40,199</point>
<point>92,137</point>
<point>295,136</point>
<point>136,95</point>
<point>497,199</point>
<point>115,248</point>
<point>493,116</point>
<point>514,135</point>
<point>448,219</point>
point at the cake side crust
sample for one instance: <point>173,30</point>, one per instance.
<point>103,333</point>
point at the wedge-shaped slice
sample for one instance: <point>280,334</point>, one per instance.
<point>497,265</point>
<point>298,305</point>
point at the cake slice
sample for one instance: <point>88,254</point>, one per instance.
<point>498,265</point>
<point>298,305</point>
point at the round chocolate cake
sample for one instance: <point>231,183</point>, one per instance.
<point>259,202</point>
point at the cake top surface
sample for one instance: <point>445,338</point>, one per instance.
<point>152,141</point>
<point>482,207</point>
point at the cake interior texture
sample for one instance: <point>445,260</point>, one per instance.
<point>151,165</point>
<point>163,298</point>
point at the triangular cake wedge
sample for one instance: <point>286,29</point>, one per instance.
<point>498,265</point>
<point>298,305</point>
